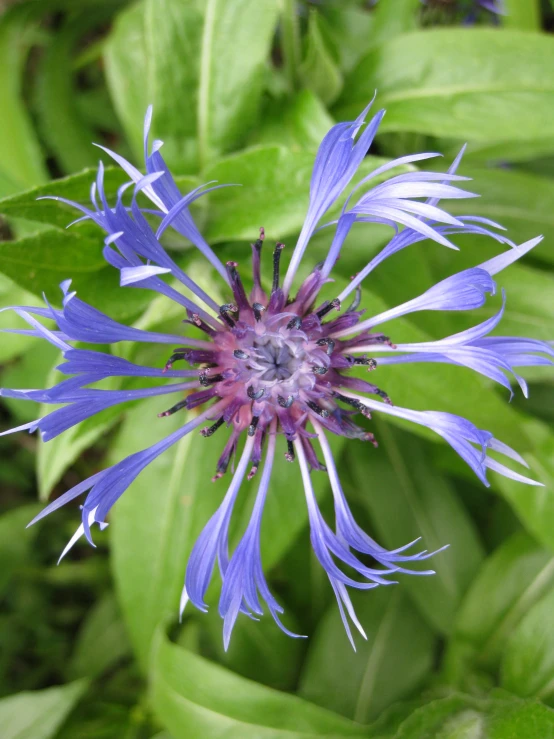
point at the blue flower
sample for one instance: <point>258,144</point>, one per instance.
<point>275,362</point>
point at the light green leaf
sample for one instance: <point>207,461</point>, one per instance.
<point>15,541</point>
<point>199,64</point>
<point>490,84</point>
<point>10,294</point>
<point>101,642</point>
<point>392,18</point>
<point>510,582</point>
<point>319,70</point>
<point>409,499</point>
<point>523,15</point>
<point>389,666</point>
<point>38,714</point>
<point>236,42</point>
<point>195,697</point>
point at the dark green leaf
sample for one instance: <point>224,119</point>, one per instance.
<point>20,156</point>
<point>389,666</point>
<point>38,714</point>
<point>486,86</point>
<point>101,643</point>
<point>15,541</point>
<point>463,717</point>
<point>194,697</point>
<point>419,502</point>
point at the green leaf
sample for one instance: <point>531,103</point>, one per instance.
<point>236,42</point>
<point>319,71</point>
<point>195,697</point>
<point>101,642</point>
<point>519,201</point>
<point>512,579</point>
<point>74,187</point>
<point>419,502</point>
<point>389,666</point>
<point>523,15</point>
<point>29,371</point>
<point>464,717</point>
<point>392,18</point>
<point>274,192</point>
<point>10,294</point>
<point>528,660</point>
<point>38,714</point>
<point>298,123</point>
<point>61,125</point>
<point>489,84</point>
<point>199,64</point>
<point>20,154</point>
<point>15,541</point>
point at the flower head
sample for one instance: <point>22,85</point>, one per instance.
<point>277,361</point>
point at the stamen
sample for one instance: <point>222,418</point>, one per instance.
<point>176,357</point>
<point>371,438</point>
<point>371,364</point>
<point>319,370</point>
<point>285,403</point>
<point>210,430</point>
<point>224,311</point>
<point>276,260</point>
<point>329,343</point>
<point>256,258</point>
<point>289,454</point>
<point>197,321</point>
<point>237,286</point>
<point>295,322</point>
<point>252,472</point>
<point>253,425</point>
<point>252,394</point>
<point>174,409</point>
<point>383,394</point>
<point>258,309</point>
<point>317,409</point>
<point>206,380</point>
<point>359,406</point>
<point>239,354</point>
<point>328,308</point>
<point>355,304</point>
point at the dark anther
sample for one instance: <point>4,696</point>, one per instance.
<point>173,358</point>
<point>276,259</point>
<point>317,409</point>
<point>236,284</point>
<point>197,321</point>
<point>206,380</point>
<point>258,309</point>
<point>355,304</point>
<point>285,403</point>
<point>319,370</point>
<point>253,425</point>
<point>224,313</point>
<point>174,409</point>
<point>252,394</point>
<point>295,322</point>
<point>289,455</point>
<point>383,394</point>
<point>371,438</point>
<point>371,364</point>
<point>210,430</point>
<point>364,410</point>
<point>329,343</point>
<point>239,354</point>
<point>328,308</point>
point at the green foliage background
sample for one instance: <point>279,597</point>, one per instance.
<point>243,91</point>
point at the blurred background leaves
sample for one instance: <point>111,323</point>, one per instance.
<point>243,92</point>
